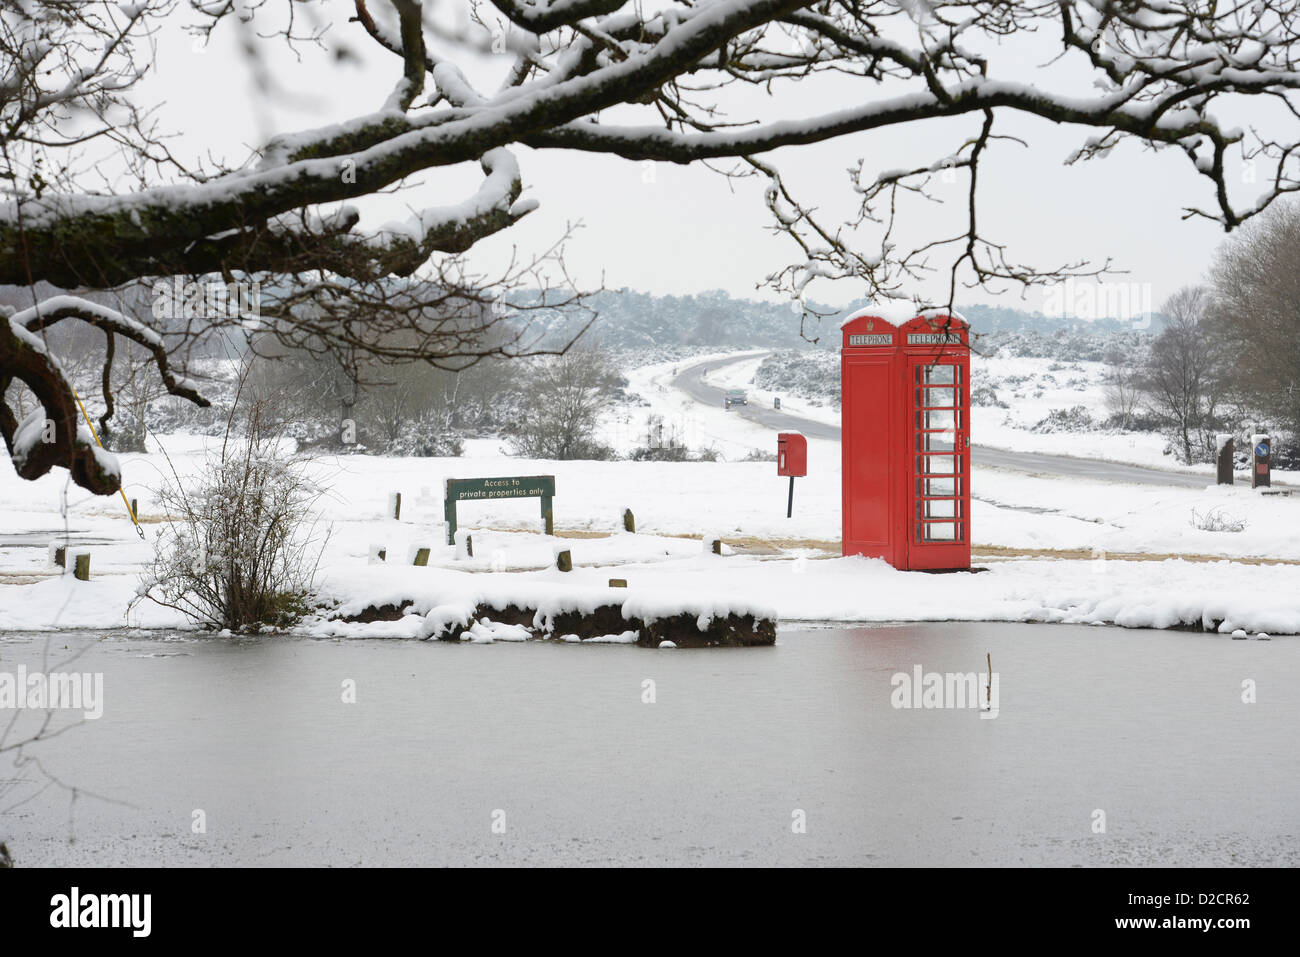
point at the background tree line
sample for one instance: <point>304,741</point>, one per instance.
<point>1228,357</point>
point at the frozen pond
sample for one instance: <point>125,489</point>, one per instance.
<point>1147,727</point>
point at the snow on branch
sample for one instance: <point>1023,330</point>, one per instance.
<point>54,434</point>
<point>543,17</point>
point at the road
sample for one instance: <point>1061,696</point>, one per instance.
<point>691,381</point>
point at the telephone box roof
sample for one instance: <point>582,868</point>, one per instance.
<point>897,313</point>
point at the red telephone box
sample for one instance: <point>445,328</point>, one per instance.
<point>905,406</point>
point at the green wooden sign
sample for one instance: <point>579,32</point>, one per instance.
<point>484,489</point>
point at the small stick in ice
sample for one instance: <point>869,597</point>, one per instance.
<point>988,691</point>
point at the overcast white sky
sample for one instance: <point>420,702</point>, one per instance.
<point>670,229</point>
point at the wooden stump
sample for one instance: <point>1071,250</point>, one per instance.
<point>464,543</point>
<point>618,583</point>
<point>1224,463</point>
<point>629,520</point>
<point>422,556</point>
<point>564,561</point>
<point>82,567</point>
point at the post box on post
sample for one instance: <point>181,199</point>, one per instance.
<point>905,401</point>
<point>791,460</point>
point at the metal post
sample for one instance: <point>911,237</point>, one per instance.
<point>789,505</point>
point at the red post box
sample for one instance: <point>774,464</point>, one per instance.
<point>791,454</point>
<point>905,406</point>
<point>791,460</point>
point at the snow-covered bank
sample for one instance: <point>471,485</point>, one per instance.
<point>1222,595</point>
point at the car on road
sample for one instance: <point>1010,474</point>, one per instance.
<point>734,397</point>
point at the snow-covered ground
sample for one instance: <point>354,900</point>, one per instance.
<point>1033,388</point>
<point>696,425</point>
<point>1055,547</point>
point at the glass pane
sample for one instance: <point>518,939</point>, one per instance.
<point>932,398</point>
<point>937,508</point>
<point>942,375</point>
<point>938,464</point>
<point>946,419</point>
<point>940,532</point>
<point>938,486</point>
<point>935,442</point>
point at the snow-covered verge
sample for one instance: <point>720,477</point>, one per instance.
<point>1153,594</point>
<point>1223,596</point>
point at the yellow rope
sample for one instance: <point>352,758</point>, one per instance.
<point>95,435</point>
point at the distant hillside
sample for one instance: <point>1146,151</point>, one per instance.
<point>638,320</point>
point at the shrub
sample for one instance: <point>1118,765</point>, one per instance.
<point>985,395</point>
<point>1217,520</point>
<point>239,548</point>
<point>673,451</point>
<point>1074,419</point>
<point>426,438</point>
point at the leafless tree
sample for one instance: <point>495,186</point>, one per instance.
<point>1122,385</point>
<point>598,76</point>
<point>563,397</point>
<point>1185,380</point>
<point>1255,284</point>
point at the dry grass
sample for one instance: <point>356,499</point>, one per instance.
<point>771,546</point>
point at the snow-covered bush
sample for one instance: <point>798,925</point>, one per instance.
<point>672,451</point>
<point>1067,347</point>
<point>1217,519</point>
<point>239,547</point>
<point>811,375</point>
<point>986,395</point>
<point>1074,419</point>
<point>426,438</point>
